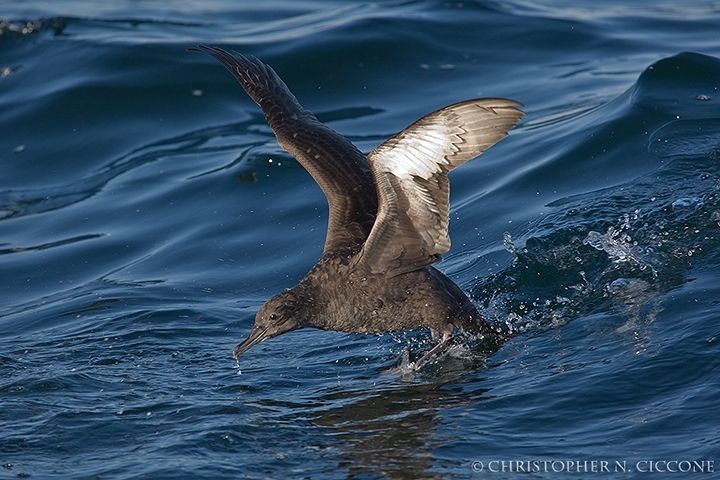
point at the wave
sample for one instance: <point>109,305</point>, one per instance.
<point>620,248</point>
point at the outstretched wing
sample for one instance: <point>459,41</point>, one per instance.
<point>410,170</point>
<point>333,161</point>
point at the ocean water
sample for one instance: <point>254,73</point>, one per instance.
<point>147,212</point>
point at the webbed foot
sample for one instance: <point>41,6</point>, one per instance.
<point>436,350</point>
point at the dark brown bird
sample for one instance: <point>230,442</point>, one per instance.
<point>388,216</point>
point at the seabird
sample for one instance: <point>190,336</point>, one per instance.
<point>388,216</point>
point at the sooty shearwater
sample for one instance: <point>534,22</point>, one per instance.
<point>388,213</point>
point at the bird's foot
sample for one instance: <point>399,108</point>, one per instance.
<point>435,335</point>
<point>436,350</point>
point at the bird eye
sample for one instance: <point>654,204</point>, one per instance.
<point>273,316</point>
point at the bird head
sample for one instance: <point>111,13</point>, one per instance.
<point>279,315</point>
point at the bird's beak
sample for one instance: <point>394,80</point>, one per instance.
<point>256,336</point>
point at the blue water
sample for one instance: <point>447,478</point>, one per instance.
<point>147,212</point>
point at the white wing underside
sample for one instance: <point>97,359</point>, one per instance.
<point>410,172</point>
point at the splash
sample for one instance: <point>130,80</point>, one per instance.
<point>665,223</point>
<point>620,247</point>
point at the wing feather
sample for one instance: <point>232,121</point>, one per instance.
<point>410,172</point>
<point>333,161</point>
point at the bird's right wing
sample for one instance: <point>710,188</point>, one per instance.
<point>333,161</point>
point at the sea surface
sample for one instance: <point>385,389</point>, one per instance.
<point>147,212</point>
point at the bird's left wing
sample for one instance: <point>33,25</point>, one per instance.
<point>410,171</point>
